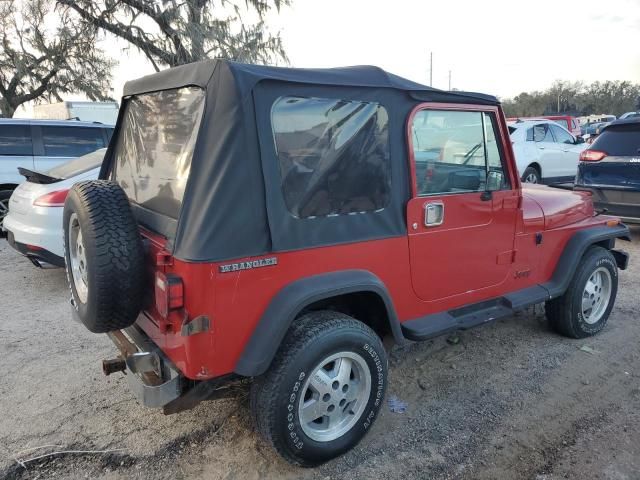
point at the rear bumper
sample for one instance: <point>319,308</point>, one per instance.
<point>620,203</point>
<point>36,254</point>
<point>41,227</point>
<point>152,378</point>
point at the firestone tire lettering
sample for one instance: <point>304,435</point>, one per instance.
<point>312,338</point>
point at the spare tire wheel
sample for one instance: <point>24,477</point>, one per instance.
<point>103,255</point>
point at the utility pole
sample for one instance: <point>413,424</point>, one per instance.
<point>449,80</point>
<point>431,70</point>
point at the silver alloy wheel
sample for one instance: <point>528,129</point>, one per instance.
<point>531,178</point>
<point>77,257</point>
<point>334,396</point>
<point>596,295</point>
<point>4,210</point>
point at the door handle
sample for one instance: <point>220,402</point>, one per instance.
<point>433,214</point>
<point>541,148</point>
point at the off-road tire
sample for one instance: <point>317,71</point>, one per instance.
<point>529,171</point>
<point>114,256</point>
<point>565,313</point>
<point>276,394</point>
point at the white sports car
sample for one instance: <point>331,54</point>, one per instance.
<point>34,222</point>
<point>545,152</point>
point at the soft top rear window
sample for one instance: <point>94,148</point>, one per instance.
<point>619,141</point>
<point>78,165</point>
<point>155,145</point>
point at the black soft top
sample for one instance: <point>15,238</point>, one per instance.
<point>246,76</point>
<point>233,207</point>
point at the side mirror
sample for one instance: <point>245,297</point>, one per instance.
<point>579,140</point>
<point>495,180</point>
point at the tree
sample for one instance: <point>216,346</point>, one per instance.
<point>575,98</point>
<point>45,54</point>
<point>172,32</point>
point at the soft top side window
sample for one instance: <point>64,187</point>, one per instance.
<point>333,154</point>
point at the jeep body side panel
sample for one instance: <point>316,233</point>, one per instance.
<point>292,299</point>
<point>235,295</point>
<point>482,312</point>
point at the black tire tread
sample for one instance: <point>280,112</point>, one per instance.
<point>558,310</point>
<point>118,259</point>
<point>530,167</point>
<point>265,388</point>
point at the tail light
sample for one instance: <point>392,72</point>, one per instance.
<point>169,293</point>
<point>592,155</point>
<point>52,199</point>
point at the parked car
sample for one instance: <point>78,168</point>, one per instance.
<point>569,123</point>
<point>273,224</point>
<point>572,124</point>
<point>592,131</point>
<point>610,169</point>
<point>103,112</point>
<point>41,145</point>
<point>590,128</point>
<point>34,221</point>
<point>624,116</point>
<point>599,118</point>
<point>545,152</point>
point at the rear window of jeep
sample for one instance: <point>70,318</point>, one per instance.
<point>333,154</point>
<point>155,145</point>
<point>619,141</point>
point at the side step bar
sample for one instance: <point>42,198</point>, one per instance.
<point>470,316</point>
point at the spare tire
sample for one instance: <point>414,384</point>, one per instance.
<point>103,255</point>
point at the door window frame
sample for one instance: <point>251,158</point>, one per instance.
<point>507,157</point>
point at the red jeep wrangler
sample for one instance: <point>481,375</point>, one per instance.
<point>271,225</point>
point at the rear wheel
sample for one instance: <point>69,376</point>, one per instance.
<point>323,390</point>
<point>531,175</point>
<point>585,307</point>
<point>4,205</point>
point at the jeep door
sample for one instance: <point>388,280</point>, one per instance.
<point>462,214</point>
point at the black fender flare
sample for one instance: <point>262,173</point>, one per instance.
<point>292,299</point>
<point>575,249</point>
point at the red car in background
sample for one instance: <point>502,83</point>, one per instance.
<point>567,121</point>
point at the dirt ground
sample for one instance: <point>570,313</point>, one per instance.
<point>510,400</point>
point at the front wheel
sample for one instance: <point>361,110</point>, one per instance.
<point>585,307</point>
<point>323,390</point>
<point>531,175</point>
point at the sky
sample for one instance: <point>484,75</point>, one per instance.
<point>490,46</point>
